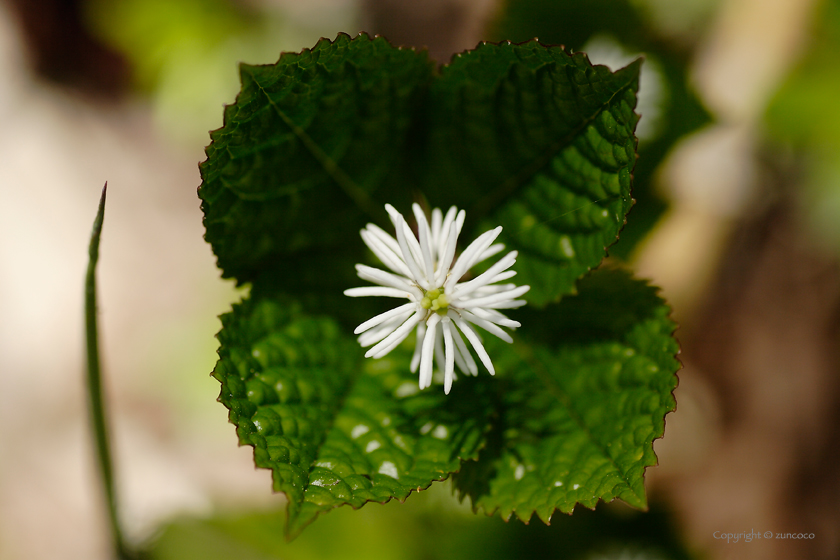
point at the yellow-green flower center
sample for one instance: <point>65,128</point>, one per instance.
<point>435,300</point>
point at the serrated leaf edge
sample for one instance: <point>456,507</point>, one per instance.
<point>543,375</point>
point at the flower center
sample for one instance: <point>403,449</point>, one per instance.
<point>435,300</point>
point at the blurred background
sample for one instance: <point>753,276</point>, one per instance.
<point>738,219</point>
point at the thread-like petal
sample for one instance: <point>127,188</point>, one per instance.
<point>494,299</point>
<point>424,270</point>
<point>385,254</point>
<point>376,291</point>
<point>476,343</point>
<point>426,361</point>
<point>392,340</point>
<point>486,277</point>
<point>486,325</point>
<point>467,258</point>
<point>415,358</point>
<point>404,309</point>
<point>425,242</point>
<point>449,351</point>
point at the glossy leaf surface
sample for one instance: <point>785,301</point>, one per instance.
<point>333,429</point>
<point>527,136</point>
<point>583,402</point>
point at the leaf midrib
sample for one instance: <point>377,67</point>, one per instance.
<point>519,179</point>
<point>330,166</point>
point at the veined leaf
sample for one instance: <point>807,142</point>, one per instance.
<point>308,142</point>
<point>332,428</point>
<point>582,403</point>
<point>527,136</point>
<point>540,142</point>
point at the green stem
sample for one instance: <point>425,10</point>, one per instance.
<point>94,384</point>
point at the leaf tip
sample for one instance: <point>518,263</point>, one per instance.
<point>632,70</point>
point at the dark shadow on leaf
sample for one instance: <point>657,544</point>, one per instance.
<point>473,480</point>
<point>608,304</point>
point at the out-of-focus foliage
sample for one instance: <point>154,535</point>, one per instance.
<point>574,23</point>
<point>158,35</point>
<point>528,136</point>
<point>682,22</point>
<point>805,116</point>
<point>428,527</point>
<point>184,52</point>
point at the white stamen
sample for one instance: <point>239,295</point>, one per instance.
<point>424,270</point>
<point>501,297</point>
<point>392,340</point>
<point>415,358</point>
<point>428,346</point>
<point>384,253</point>
<point>408,257</point>
<point>490,251</point>
<point>376,291</point>
<point>468,257</point>
<point>425,241</point>
<point>464,353</point>
<point>486,325</point>
<point>437,216</point>
<point>448,255</point>
<point>476,343</point>
<point>449,368</point>
<point>486,277</point>
<point>405,309</point>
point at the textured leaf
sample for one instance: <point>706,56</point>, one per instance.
<point>543,142</point>
<point>526,136</point>
<point>574,24</point>
<point>307,142</point>
<point>581,412</point>
<point>333,429</point>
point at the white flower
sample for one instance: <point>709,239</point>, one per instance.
<point>438,305</point>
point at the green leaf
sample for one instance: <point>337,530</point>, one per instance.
<point>587,385</point>
<point>574,24</point>
<point>334,429</point>
<point>306,144</point>
<point>541,142</point>
<point>527,136</point>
